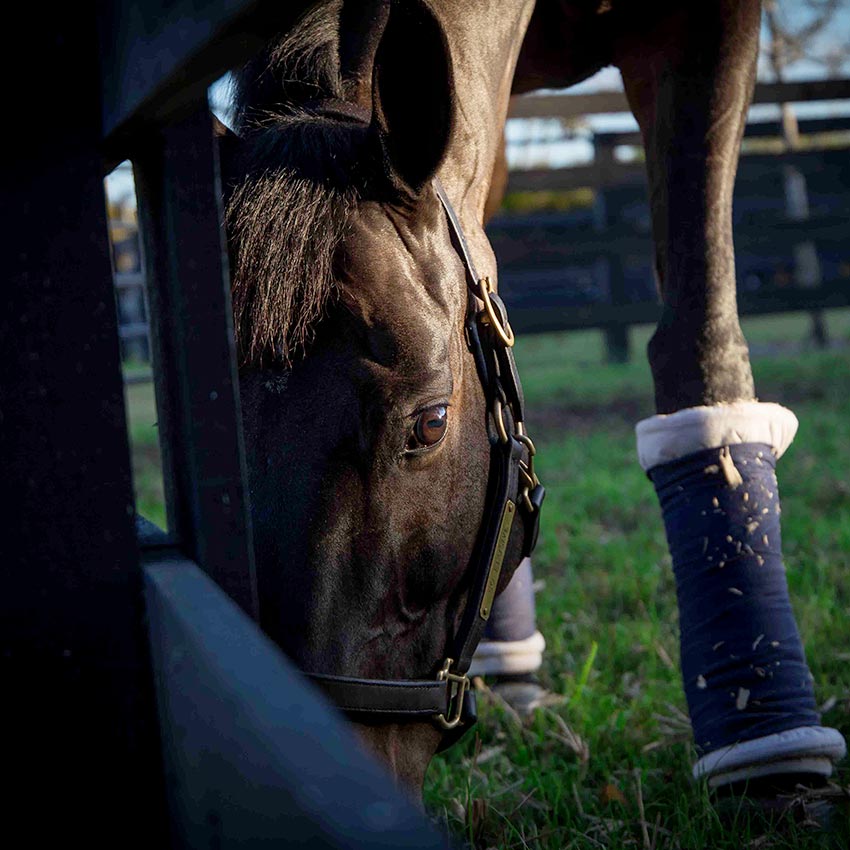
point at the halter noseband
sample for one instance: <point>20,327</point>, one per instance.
<point>513,489</point>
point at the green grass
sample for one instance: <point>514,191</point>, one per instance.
<point>579,773</point>
<point>569,778</point>
<point>553,200</point>
<point>147,461</point>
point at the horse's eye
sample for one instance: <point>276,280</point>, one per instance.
<point>430,426</point>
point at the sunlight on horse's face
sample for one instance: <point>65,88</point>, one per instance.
<point>363,530</point>
<point>369,457</point>
<point>365,510</point>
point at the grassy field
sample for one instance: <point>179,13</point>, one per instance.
<point>144,440</point>
<point>610,765</point>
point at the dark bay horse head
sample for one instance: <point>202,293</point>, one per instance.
<point>365,421</point>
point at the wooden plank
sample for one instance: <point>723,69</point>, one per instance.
<point>573,248</point>
<point>552,318</point>
<point>556,238</point>
<point>754,130</point>
<point>80,743</point>
<point>194,360</point>
<point>616,174</point>
<point>830,294</point>
<point>530,319</point>
<point>610,101</point>
<point>134,330</point>
<point>255,756</point>
<point>567,105</point>
<point>140,378</point>
<point>776,236</point>
<point>576,177</point>
<point>159,56</point>
<point>129,280</point>
<point>802,91</point>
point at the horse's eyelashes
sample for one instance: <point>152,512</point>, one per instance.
<point>430,427</point>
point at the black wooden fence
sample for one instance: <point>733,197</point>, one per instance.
<point>593,268</point>
<point>141,704</point>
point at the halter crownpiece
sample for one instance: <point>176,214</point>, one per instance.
<point>513,489</point>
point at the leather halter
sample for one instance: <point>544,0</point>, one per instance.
<point>513,489</point>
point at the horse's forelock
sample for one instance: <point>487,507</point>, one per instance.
<point>301,65</point>
<point>304,174</point>
<point>285,221</point>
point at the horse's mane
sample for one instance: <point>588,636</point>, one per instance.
<point>304,174</point>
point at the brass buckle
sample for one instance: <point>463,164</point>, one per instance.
<point>504,332</point>
<point>525,440</point>
<point>530,479</point>
<point>457,691</point>
<point>499,419</point>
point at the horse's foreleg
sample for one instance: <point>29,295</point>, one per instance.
<point>689,78</point>
<point>711,450</point>
<point>512,645</point>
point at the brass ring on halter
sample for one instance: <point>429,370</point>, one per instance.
<point>525,440</point>
<point>498,417</point>
<point>458,686</point>
<point>527,470</point>
<point>529,481</point>
<point>504,332</point>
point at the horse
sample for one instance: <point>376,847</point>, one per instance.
<point>390,476</point>
<point>340,588</point>
<point>688,71</point>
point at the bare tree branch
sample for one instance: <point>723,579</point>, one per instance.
<point>788,43</point>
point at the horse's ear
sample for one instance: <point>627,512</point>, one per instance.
<point>361,25</point>
<point>412,95</point>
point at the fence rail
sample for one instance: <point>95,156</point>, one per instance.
<point>596,103</point>
<point>605,171</point>
<point>151,721</point>
<point>560,273</point>
<point>593,268</point>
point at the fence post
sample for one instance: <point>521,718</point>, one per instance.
<point>81,746</point>
<point>617,337</point>
<point>197,389</point>
<point>616,332</point>
<point>807,269</point>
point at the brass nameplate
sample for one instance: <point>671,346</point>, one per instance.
<point>498,556</point>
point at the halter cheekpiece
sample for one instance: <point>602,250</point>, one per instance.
<point>514,490</point>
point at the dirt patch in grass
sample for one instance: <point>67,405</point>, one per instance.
<point>549,422</point>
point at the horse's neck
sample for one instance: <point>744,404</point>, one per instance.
<point>484,39</point>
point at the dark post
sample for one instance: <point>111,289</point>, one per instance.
<point>617,343</point>
<point>616,333</point>
<point>194,361</point>
<point>807,269</point>
<point>81,750</point>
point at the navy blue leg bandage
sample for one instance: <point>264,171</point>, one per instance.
<point>743,665</point>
